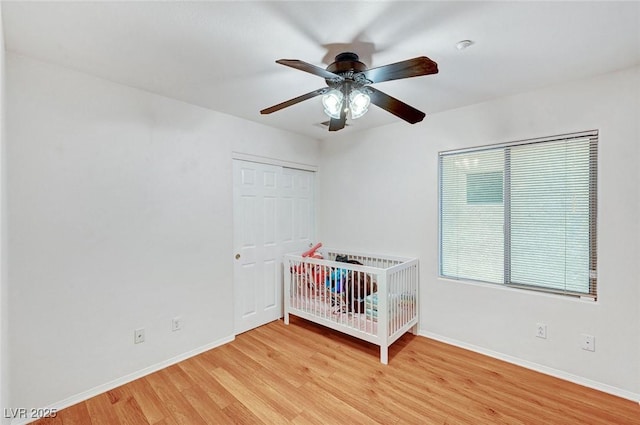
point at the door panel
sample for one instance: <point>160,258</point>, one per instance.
<point>298,206</point>
<point>273,214</point>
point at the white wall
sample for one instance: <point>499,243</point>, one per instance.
<point>4,316</point>
<point>386,181</point>
<point>120,204</point>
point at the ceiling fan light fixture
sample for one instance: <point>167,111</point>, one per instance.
<point>332,102</point>
<point>358,103</point>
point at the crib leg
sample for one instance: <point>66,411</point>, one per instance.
<point>414,329</point>
<point>286,318</point>
<point>384,355</point>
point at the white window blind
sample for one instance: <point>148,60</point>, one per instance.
<point>522,214</point>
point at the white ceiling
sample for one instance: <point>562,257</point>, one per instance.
<point>220,55</point>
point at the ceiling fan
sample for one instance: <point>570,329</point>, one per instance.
<point>348,91</point>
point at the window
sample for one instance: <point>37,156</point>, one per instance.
<point>522,214</point>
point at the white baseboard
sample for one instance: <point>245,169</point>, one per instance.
<point>85,395</point>
<point>537,367</point>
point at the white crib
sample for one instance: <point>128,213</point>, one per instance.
<point>376,301</point>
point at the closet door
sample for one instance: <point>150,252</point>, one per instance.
<point>273,214</point>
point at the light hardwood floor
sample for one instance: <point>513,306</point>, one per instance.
<point>306,374</point>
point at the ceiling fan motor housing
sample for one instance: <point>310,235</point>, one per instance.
<point>346,65</point>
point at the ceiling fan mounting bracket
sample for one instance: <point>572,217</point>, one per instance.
<point>347,56</point>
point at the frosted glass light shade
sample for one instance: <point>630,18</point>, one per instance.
<point>358,103</point>
<point>332,102</point>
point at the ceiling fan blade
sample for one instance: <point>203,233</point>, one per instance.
<point>410,68</point>
<point>338,123</point>
<point>312,69</point>
<point>395,106</point>
<point>295,100</point>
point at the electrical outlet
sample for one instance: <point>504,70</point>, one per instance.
<point>588,342</point>
<point>138,336</point>
<point>176,323</point>
<point>541,330</point>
